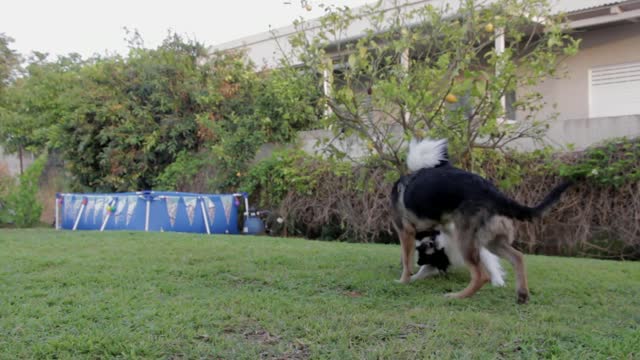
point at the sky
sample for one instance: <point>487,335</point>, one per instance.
<point>89,27</point>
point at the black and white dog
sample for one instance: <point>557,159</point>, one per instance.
<point>470,210</point>
<point>437,254</point>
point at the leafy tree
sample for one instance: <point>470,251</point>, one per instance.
<point>263,107</point>
<point>120,122</point>
<point>134,115</point>
<point>9,61</point>
<point>422,71</point>
<point>36,102</point>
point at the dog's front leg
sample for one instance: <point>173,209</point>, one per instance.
<point>408,245</point>
<point>471,253</point>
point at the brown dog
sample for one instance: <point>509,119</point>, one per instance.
<point>436,195</point>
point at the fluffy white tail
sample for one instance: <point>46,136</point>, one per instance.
<point>492,263</point>
<point>426,153</point>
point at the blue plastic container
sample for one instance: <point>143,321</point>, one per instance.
<point>254,225</point>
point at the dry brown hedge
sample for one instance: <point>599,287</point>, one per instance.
<point>590,220</point>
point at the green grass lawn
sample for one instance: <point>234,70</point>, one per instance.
<point>184,296</point>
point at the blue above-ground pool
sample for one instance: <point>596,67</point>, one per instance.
<point>150,211</point>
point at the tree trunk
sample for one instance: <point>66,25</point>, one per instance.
<point>21,161</point>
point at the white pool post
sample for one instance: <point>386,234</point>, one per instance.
<point>204,215</point>
<point>58,197</point>
<point>84,203</point>
<point>106,219</point>
<point>146,218</point>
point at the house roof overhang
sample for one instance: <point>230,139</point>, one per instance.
<point>581,15</point>
<point>608,13</point>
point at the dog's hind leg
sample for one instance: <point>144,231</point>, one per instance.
<point>516,259</point>
<point>407,236</point>
<point>471,255</point>
<point>478,279</point>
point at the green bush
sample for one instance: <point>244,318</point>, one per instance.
<point>181,172</point>
<point>289,170</point>
<point>23,207</point>
<point>615,163</point>
<point>7,186</point>
<point>271,108</point>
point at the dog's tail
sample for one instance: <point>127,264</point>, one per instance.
<point>426,153</point>
<point>511,208</point>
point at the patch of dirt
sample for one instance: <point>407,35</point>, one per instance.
<point>261,336</point>
<point>416,328</point>
<point>508,349</point>
<point>252,332</point>
<point>297,351</point>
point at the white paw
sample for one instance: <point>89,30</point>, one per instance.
<point>452,295</point>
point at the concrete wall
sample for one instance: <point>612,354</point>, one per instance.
<point>12,161</point>
<point>585,132</point>
<point>308,140</point>
<point>581,133</point>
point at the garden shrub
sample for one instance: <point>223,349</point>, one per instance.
<point>322,198</point>
<point>23,207</point>
<point>187,173</point>
<point>613,164</point>
<point>7,186</point>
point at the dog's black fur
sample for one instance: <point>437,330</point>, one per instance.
<point>431,193</point>
<point>429,253</point>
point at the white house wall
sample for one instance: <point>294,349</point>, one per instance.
<point>606,46</point>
